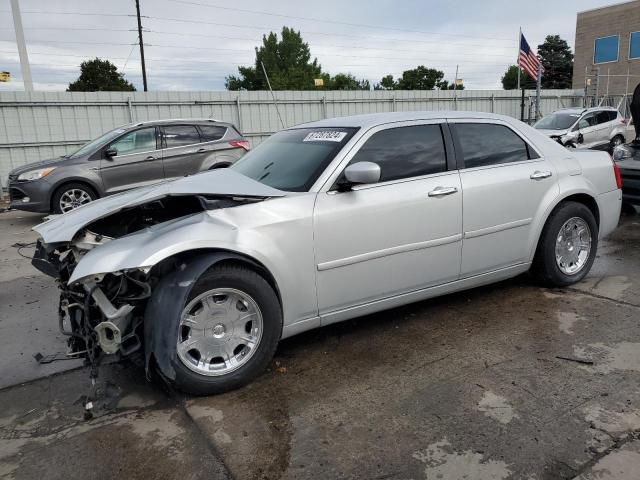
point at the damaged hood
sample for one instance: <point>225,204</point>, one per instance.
<point>225,182</point>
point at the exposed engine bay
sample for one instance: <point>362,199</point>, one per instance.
<point>103,315</point>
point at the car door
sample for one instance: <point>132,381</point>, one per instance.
<point>138,161</point>
<point>587,131</point>
<point>396,236</point>
<point>182,151</point>
<point>504,182</point>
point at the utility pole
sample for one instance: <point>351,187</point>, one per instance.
<point>22,47</point>
<point>144,68</point>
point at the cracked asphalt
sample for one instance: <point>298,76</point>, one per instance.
<point>508,381</point>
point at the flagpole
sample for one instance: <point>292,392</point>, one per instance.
<point>518,57</point>
<point>538,86</point>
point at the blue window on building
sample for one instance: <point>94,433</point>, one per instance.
<point>606,49</point>
<point>634,45</point>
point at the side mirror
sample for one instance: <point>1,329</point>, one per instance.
<point>110,152</point>
<point>362,173</point>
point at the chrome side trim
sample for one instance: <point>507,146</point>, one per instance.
<point>342,262</point>
<point>497,228</point>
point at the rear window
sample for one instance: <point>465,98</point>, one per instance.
<point>180,135</point>
<point>292,160</point>
<point>490,144</point>
<point>211,133</point>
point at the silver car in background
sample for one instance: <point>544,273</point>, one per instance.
<point>595,128</point>
<point>321,223</point>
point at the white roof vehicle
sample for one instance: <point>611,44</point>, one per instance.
<point>595,128</point>
<point>320,223</point>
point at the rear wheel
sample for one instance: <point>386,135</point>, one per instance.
<point>228,331</point>
<point>70,196</point>
<point>567,246</point>
<point>616,142</point>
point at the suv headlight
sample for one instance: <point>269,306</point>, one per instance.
<point>35,174</point>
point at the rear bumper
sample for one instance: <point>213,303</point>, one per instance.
<point>609,205</point>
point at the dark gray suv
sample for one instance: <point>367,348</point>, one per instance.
<point>128,157</point>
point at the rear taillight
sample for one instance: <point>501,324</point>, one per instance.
<point>240,144</point>
<point>616,172</point>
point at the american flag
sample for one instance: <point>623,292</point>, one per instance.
<point>527,60</point>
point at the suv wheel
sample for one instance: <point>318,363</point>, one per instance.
<point>228,331</point>
<point>616,141</point>
<point>70,196</point>
<point>567,246</point>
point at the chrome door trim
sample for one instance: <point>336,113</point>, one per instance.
<point>497,228</point>
<point>385,252</point>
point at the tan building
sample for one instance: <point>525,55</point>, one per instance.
<point>607,49</point>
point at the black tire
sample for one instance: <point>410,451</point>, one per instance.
<point>544,267</point>
<point>57,195</point>
<point>615,141</point>
<point>250,282</point>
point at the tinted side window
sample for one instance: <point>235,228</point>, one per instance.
<point>405,152</point>
<point>212,132</point>
<point>603,117</point>
<point>613,116</point>
<point>178,135</point>
<point>143,140</point>
<point>489,144</point>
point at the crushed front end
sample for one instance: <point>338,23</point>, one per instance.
<point>100,315</point>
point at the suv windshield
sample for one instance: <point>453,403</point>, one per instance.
<point>292,160</point>
<point>557,121</point>
<point>99,142</point>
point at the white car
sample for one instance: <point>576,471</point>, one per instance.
<point>595,128</point>
<point>321,223</point>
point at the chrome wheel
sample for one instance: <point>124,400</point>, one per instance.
<point>573,246</point>
<point>617,141</point>
<point>73,198</point>
<point>219,331</point>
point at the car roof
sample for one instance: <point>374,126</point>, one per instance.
<point>373,119</point>
<point>198,121</point>
<point>585,110</point>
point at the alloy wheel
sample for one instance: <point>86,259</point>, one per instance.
<point>573,246</point>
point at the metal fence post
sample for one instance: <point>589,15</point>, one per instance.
<point>393,103</point>
<point>130,109</point>
<point>493,103</point>
<point>239,113</point>
<point>324,107</point>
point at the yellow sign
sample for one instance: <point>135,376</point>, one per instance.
<point>318,82</point>
<point>458,82</point>
<point>5,76</point>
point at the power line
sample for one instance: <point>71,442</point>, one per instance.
<point>337,22</point>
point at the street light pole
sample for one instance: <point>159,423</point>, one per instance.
<point>22,47</point>
<point>144,68</point>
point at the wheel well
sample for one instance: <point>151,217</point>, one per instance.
<point>220,165</point>
<point>234,259</point>
<point>588,201</point>
<point>62,185</point>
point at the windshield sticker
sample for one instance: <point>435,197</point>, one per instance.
<point>325,136</point>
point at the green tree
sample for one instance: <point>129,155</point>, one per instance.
<point>557,60</point>
<point>346,81</point>
<point>510,79</point>
<point>100,76</point>
<point>386,83</point>
<point>420,78</point>
<point>287,61</point>
<point>445,85</point>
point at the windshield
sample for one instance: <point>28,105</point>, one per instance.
<point>99,142</point>
<point>292,160</point>
<point>557,121</point>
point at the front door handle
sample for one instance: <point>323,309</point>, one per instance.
<point>202,150</point>
<point>538,175</point>
<point>442,191</point>
<point>150,157</point>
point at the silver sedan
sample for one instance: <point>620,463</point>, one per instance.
<point>322,222</point>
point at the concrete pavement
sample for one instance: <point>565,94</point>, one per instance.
<point>465,386</point>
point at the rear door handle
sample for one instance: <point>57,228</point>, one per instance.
<point>538,175</point>
<point>442,191</point>
<point>202,150</point>
<point>150,157</point>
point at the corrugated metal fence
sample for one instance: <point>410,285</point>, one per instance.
<point>42,125</point>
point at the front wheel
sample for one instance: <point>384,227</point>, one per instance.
<point>228,331</point>
<point>567,246</point>
<point>71,196</point>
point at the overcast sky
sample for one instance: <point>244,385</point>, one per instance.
<point>194,44</point>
